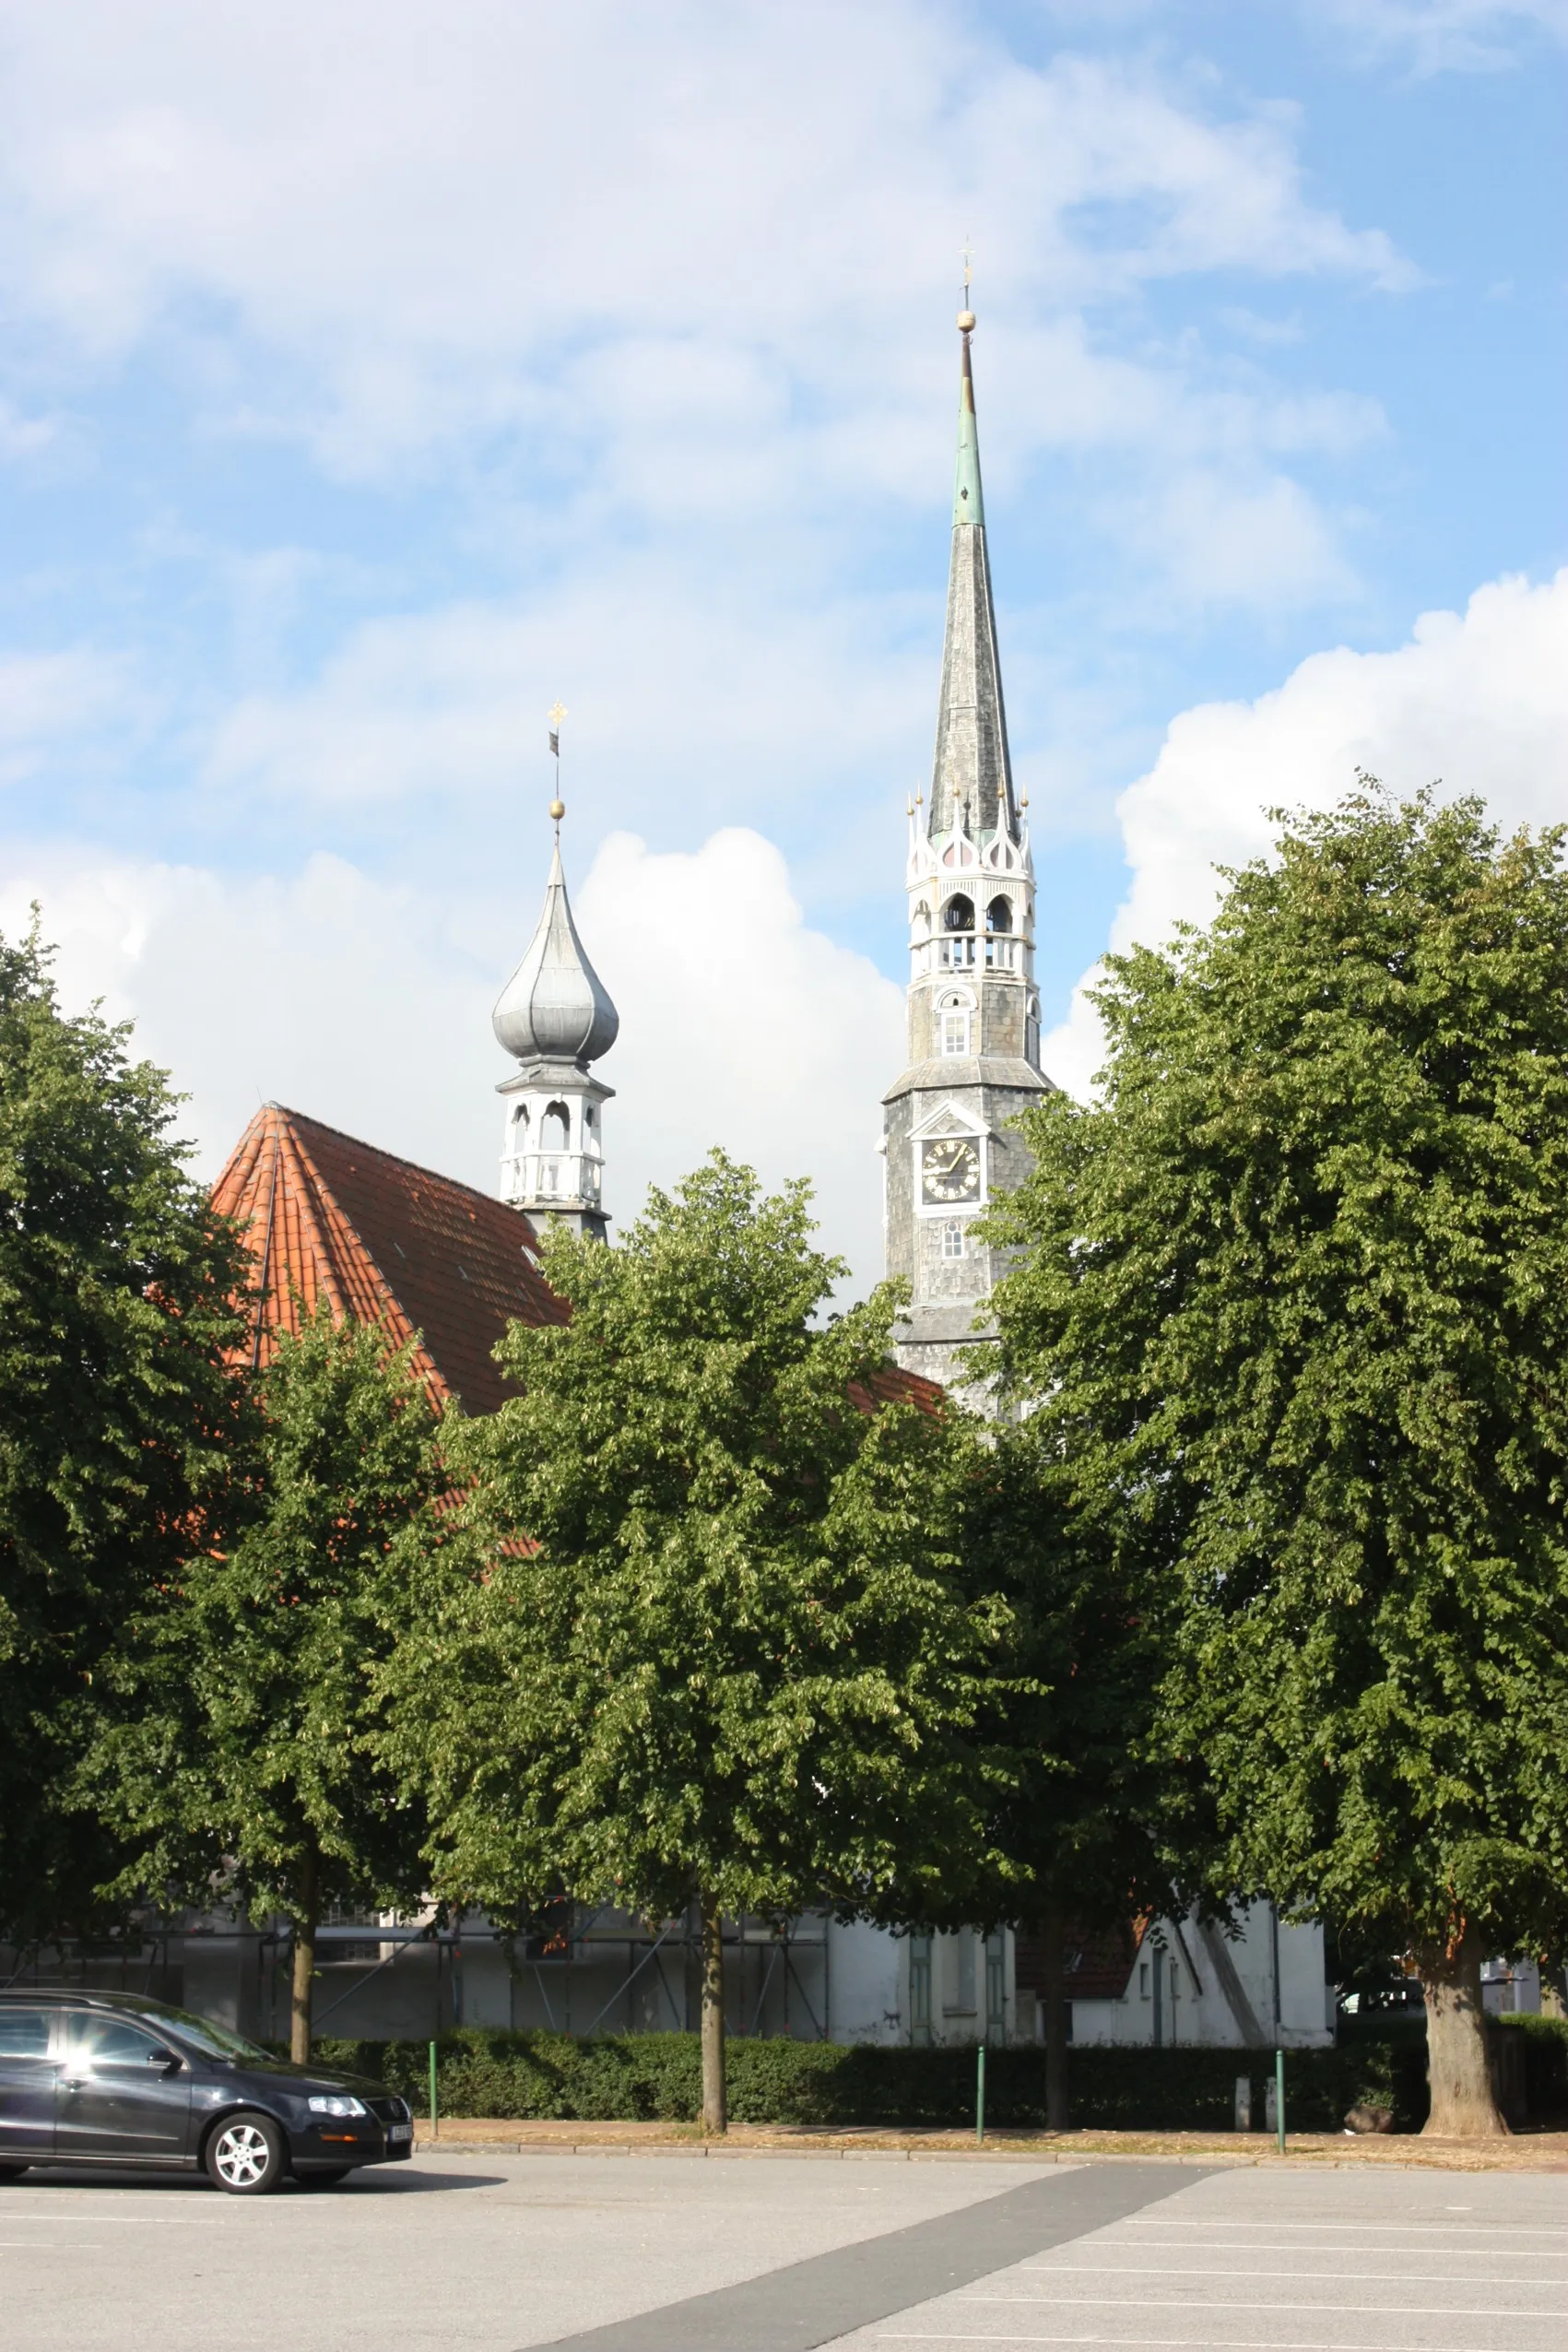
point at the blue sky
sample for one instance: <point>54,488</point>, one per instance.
<point>371,375</point>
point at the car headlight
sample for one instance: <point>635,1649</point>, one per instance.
<point>338,2103</point>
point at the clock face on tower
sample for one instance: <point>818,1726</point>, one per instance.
<point>950,1169</point>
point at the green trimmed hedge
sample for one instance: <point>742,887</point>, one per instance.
<point>657,2078</point>
<point>1546,2062</point>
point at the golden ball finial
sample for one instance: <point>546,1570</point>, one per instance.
<point>558,810</point>
<point>966,321</point>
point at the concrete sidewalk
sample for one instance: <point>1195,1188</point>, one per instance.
<point>1526,2152</point>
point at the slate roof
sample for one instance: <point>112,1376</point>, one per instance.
<point>387,1242</point>
<point>972,770</point>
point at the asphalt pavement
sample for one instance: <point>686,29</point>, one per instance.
<point>662,2254</point>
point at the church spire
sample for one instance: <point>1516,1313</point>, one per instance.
<point>974,1058</point>
<point>555,1018</point>
<point>971,780</point>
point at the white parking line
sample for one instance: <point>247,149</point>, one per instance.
<point>1330,2311</point>
<point>1251,2246</point>
<point>1191,2270</point>
<point>1439,2229</point>
<point>121,2220</point>
<point>1235,2343</point>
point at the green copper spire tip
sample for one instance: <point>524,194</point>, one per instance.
<point>969,505</point>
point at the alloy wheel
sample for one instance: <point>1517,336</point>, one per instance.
<point>241,2155</point>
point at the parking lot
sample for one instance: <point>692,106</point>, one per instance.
<point>775,2255</point>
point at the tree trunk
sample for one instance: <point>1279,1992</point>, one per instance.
<point>1054,1937</point>
<point>715,2110</point>
<point>1463,2107</point>
<point>306,1917</point>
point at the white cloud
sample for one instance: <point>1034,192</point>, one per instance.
<point>1224,540</point>
<point>369,1007</point>
<point>1476,700</point>
<point>688,267</point>
<point>676,694</point>
<point>741,1026</point>
<point>1444,36</point>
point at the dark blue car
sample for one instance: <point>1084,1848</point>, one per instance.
<point>111,2078</point>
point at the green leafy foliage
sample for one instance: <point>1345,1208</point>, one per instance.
<point>1294,1316</point>
<point>246,1759</point>
<point>716,1639</point>
<point>657,2078</point>
<point>1092,1813</point>
<point>120,1298</point>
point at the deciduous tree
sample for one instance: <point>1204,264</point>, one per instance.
<point>1294,1308</point>
<point>120,1298</point>
<point>1094,1821</point>
<point>246,1762</point>
<point>718,1649</point>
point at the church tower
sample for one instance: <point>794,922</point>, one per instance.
<point>555,1017</point>
<point>973,1015</point>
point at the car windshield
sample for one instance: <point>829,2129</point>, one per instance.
<point>216,2041</point>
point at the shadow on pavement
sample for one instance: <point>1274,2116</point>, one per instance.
<point>401,2180</point>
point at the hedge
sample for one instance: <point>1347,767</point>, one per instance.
<point>1546,2061</point>
<point>657,2078</point>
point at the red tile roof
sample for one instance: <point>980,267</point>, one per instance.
<point>891,1384</point>
<point>387,1242</point>
<point>392,1243</point>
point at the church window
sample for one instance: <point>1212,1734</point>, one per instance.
<point>554,1128</point>
<point>952,1241</point>
<point>999,915</point>
<point>520,1125</point>
<point>955,1032</point>
<point>958,913</point>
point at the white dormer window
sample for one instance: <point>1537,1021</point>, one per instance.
<point>955,1031</point>
<point>952,1240</point>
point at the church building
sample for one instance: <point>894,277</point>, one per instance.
<point>388,1242</point>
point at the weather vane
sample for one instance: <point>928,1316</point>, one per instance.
<point>558,806</point>
<point>966,316</point>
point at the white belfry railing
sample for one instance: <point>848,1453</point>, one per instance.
<point>963,952</point>
<point>552,1175</point>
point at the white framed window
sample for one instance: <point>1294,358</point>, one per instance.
<point>955,1030</point>
<point>952,1240</point>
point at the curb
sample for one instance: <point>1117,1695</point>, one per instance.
<point>1432,2158</point>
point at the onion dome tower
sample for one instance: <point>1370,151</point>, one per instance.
<point>974,1055</point>
<point>555,1018</point>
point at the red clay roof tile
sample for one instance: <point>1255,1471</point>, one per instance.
<point>387,1242</point>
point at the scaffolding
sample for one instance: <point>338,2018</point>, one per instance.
<point>580,1971</point>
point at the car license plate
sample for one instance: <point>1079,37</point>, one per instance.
<point>400,2132</point>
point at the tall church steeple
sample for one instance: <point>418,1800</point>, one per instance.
<point>972,768</point>
<point>973,1056</point>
